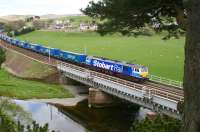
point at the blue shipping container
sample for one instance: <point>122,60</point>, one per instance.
<point>44,50</point>
<point>55,52</point>
<point>27,45</point>
<point>80,58</point>
<point>35,47</point>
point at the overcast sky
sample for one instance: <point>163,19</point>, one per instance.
<point>40,7</point>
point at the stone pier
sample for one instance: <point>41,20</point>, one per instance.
<point>98,99</point>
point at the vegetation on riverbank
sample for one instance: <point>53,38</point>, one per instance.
<point>23,89</point>
<point>2,56</point>
<point>164,58</point>
<point>158,124</point>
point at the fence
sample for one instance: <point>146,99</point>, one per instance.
<point>166,81</point>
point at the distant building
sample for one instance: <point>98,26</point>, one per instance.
<point>61,24</point>
<point>58,24</point>
<point>93,27</point>
<point>88,27</point>
<point>84,26</point>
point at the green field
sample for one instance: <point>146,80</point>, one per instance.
<point>164,58</point>
<point>22,89</point>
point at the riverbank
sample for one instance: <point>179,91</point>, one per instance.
<point>17,88</point>
<point>80,93</point>
<point>23,78</point>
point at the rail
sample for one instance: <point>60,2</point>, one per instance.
<point>166,81</point>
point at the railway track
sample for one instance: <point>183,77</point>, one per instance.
<point>156,89</point>
<point>162,90</point>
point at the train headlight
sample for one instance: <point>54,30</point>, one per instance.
<point>144,74</point>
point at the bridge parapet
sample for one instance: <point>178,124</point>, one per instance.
<point>154,99</point>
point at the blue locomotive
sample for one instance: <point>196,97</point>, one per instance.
<point>116,68</point>
<point>132,70</point>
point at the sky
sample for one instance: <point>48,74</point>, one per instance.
<point>41,7</point>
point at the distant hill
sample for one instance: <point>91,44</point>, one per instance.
<point>51,16</point>
<point>14,17</point>
<point>3,20</point>
<point>22,17</point>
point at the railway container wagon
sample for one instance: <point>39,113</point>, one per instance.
<point>13,42</point>
<point>44,50</point>
<point>21,44</point>
<point>55,52</point>
<point>35,47</point>
<point>73,57</point>
<point>4,38</point>
<point>8,40</point>
<point>25,45</point>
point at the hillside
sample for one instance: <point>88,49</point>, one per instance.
<point>14,17</point>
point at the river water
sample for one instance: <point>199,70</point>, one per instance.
<point>83,119</point>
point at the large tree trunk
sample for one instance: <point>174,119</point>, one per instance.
<point>192,69</point>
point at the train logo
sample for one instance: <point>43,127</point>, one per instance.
<point>107,66</point>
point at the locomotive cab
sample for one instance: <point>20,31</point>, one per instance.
<point>140,72</point>
<point>143,72</point>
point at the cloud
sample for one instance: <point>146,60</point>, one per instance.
<point>40,7</point>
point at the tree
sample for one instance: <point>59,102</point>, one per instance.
<point>14,25</point>
<point>2,56</point>
<point>41,24</point>
<point>126,16</point>
<point>2,25</point>
<point>159,124</point>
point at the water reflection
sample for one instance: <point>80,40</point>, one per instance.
<point>114,119</point>
<point>81,118</point>
<point>43,113</point>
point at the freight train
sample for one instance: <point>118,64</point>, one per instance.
<point>132,72</point>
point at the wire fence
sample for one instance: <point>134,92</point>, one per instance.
<point>166,81</point>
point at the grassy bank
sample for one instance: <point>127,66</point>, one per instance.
<point>164,58</point>
<point>27,68</point>
<point>22,89</point>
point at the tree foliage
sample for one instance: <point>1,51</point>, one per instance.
<point>24,31</point>
<point>159,124</point>
<point>41,24</point>
<point>8,125</point>
<point>12,117</point>
<point>14,25</point>
<point>2,56</point>
<point>127,16</point>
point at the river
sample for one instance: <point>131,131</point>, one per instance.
<point>83,119</point>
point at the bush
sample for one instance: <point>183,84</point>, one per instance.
<point>10,34</point>
<point>2,56</point>
<point>7,125</point>
<point>24,31</point>
<point>159,124</point>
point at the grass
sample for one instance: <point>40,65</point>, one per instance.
<point>164,58</point>
<point>22,89</point>
<point>28,68</point>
